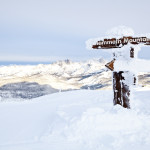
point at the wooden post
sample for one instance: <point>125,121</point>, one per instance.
<point>121,90</point>
<point>132,52</point>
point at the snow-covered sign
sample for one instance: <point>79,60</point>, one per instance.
<point>124,46</point>
<point>119,43</point>
<point>110,65</point>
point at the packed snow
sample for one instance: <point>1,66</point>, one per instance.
<point>76,120</point>
<point>134,65</point>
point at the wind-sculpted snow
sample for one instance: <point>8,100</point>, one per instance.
<point>34,81</point>
<point>76,120</point>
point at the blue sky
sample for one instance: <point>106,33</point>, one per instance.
<point>48,30</point>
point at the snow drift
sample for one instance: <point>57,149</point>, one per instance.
<point>76,120</point>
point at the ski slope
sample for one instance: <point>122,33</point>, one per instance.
<point>76,120</point>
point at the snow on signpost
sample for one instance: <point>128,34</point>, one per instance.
<point>124,46</point>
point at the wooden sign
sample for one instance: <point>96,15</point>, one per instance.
<point>110,65</point>
<point>119,43</point>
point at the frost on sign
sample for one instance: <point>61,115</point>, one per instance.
<point>124,46</point>
<point>119,43</point>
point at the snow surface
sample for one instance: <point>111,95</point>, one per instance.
<point>133,65</point>
<point>76,120</point>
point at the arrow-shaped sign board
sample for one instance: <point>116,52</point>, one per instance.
<point>110,65</point>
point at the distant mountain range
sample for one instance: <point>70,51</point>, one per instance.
<point>30,81</point>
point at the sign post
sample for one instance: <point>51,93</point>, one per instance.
<point>122,80</point>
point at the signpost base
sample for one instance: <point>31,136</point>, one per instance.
<point>121,90</point>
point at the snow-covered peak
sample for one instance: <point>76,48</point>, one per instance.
<point>34,81</point>
<point>62,75</point>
